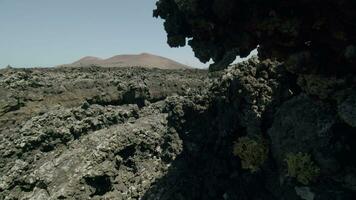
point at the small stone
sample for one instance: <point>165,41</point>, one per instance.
<point>347,111</point>
<point>304,193</point>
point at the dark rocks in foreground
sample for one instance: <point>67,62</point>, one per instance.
<point>153,134</point>
<point>79,133</point>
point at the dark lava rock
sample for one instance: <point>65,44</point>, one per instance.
<point>300,125</point>
<point>87,133</point>
<point>347,111</point>
<point>132,133</point>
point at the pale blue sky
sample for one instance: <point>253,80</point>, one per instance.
<point>44,33</point>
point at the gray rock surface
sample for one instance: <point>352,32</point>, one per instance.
<point>87,133</point>
<point>105,133</point>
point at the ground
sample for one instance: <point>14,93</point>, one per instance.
<point>135,133</point>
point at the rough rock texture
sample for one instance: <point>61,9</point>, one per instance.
<point>312,36</point>
<point>29,92</point>
<point>87,133</point>
<point>261,99</point>
<point>304,109</point>
<point>159,135</point>
<point>304,120</point>
<point>118,162</point>
<point>347,110</point>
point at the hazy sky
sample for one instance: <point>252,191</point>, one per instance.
<point>52,32</point>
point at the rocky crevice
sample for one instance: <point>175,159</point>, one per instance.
<point>258,99</point>
<point>108,144</point>
<point>135,141</point>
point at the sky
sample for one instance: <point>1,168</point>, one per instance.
<point>45,33</point>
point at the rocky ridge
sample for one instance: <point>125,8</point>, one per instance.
<point>84,133</point>
<point>149,141</point>
<point>129,60</point>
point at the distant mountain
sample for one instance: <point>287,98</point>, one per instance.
<point>140,60</point>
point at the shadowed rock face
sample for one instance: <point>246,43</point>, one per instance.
<point>311,36</point>
<point>133,133</point>
<point>261,99</point>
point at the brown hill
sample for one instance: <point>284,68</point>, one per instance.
<point>140,60</point>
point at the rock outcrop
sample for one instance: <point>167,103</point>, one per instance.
<point>98,133</point>
<point>87,133</point>
<point>310,138</point>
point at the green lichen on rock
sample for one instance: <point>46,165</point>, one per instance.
<point>301,167</point>
<point>252,152</point>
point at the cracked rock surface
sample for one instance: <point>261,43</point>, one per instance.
<point>93,133</point>
<point>87,133</point>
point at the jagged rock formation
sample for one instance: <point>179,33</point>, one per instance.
<point>257,99</point>
<point>313,36</point>
<point>87,133</point>
<point>301,107</point>
<point>144,142</point>
<point>105,133</point>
